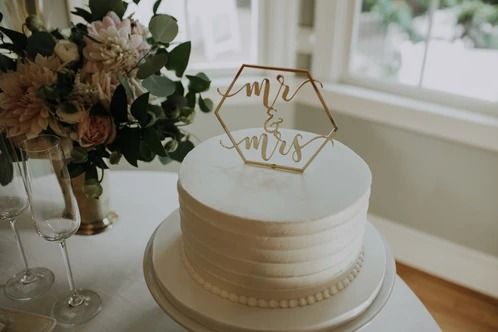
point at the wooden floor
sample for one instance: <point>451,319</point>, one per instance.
<point>454,308</point>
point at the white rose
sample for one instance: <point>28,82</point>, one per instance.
<point>67,51</point>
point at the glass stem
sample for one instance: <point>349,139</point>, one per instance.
<point>27,278</point>
<point>75,299</point>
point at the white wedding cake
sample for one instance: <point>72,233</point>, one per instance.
<point>269,238</point>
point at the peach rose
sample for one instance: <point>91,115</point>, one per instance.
<point>95,130</point>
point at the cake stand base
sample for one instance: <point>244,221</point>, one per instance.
<point>196,309</point>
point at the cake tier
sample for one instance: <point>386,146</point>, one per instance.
<point>271,238</point>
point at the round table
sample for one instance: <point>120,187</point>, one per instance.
<point>111,264</point>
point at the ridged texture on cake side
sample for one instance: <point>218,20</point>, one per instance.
<point>269,264</point>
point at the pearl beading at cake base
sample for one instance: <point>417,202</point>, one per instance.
<point>275,304</point>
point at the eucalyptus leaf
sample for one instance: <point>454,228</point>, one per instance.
<point>175,101</point>
<point>93,189</point>
<point>178,58</point>
<point>181,151</point>
<point>101,152</point>
<point>129,143</point>
<point>57,34</point>
<point>187,115</point>
<point>172,114</point>
<point>40,42</point>
<point>145,152</point>
<point>91,174</point>
<point>163,28</point>
<point>165,160</point>
<point>79,155</point>
<point>153,140</point>
<point>171,145</point>
<point>47,92</point>
<point>159,86</point>
<point>6,63</point>
<point>100,8</point>
<point>119,105</point>
<point>139,109</point>
<point>115,157</point>
<point>180,90</point>
<point>78,34</point>
<point>152,65</point>
<point>123,80</point>
<point>198,83</point>
<point>11,47</point>
<point>155,113</point>
<point>100,163</point>
<point>83,13</point>
<point>6,169</point>
<point>18,39</point>
<point>206,105</point>
<point>191,99</point>
<point>76,169</point>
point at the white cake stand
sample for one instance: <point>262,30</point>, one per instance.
<point>196,309</point>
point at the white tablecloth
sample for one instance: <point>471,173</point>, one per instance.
<point>111,264</point>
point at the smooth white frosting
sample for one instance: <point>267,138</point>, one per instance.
<point>272,235</point>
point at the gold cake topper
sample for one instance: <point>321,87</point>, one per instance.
<point>298,150</point>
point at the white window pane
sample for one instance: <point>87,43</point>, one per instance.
<point>462,56</point>
<point>223,33</point>
<point>390,40</point>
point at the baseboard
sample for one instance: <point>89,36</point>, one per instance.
<point>450,261</point>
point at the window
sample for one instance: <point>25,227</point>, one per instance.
<point>361,50</point>
<point>440,45</point>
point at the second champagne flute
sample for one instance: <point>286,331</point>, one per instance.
<point>31,282</point>
<point>56,217</point>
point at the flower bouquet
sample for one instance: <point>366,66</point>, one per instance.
<point>110,88</point>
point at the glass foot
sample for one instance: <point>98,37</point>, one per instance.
<point>74,310</point>
<point>29,284</point>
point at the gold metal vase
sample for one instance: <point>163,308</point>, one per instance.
<point>96,214</point>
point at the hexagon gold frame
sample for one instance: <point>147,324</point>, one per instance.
<point>325,108</point>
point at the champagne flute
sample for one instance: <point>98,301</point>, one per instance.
<point>56,217</point>
<point>31,282</point>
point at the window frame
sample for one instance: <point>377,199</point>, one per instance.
<point>426,111</point>
<point>346,13</point>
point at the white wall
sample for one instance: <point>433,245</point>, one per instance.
<point>443,188</point>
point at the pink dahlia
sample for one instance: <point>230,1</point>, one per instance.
<point>114,44</point>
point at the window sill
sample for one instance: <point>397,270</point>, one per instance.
<point>459,125</point>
